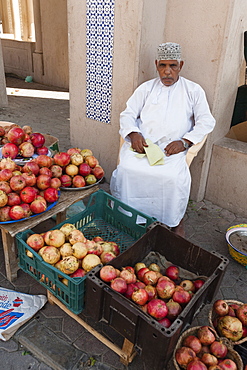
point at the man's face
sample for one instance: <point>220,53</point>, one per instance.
<point>168,71</point>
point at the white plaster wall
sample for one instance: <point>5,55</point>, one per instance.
<point>3,93</point>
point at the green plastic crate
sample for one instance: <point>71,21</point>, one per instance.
<point>104,216</point>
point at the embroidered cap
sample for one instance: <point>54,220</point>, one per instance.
<point>169,51</point>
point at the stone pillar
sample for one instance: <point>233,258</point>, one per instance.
<point>3,93</point>
<point>38,53</point>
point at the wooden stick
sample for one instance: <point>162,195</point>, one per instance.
<point>9,247</point>
<point>125,357</point>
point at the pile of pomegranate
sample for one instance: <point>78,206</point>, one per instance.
<point>76,168</point>
<point>25,191</point>
<point>230,319</point>
<point>161,296</point>
<point>203,350</point>
<point>21,142</point>
<point>70,251</point>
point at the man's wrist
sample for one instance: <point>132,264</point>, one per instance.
<point>186,143</point>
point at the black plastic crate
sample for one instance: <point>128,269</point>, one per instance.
<point>152,341</point>
<point>242,351</point>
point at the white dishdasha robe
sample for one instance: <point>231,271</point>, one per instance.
<point>162,114</point>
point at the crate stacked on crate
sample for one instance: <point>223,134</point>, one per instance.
<point>154,342</point>
<point>104,216</point>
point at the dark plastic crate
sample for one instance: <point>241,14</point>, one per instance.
<point>103,217</point>
<point>242,351</point>
<point>152,341</point>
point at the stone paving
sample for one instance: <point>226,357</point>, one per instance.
<point>52,339</point>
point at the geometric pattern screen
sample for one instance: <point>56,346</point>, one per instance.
<point>99,59</point>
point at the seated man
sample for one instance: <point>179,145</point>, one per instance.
<point>173,113</point>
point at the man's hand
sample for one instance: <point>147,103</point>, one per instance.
<point>137,142</point>
<point>175,147</point>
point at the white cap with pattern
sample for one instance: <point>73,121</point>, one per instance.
<point>169,51</point>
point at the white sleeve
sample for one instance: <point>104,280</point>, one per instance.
<point>204,121</point>
<point>130,116</point>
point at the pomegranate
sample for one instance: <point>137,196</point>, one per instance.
<point>230,327</point>
<point>16,135</point>
<point>150,277</point>
<point>71,170</point>
<point>91,161</point>
<point>139,265</point>
<point>205,335</point>
<point>76,159</point>
<point>38,206</point>
<point>45,171</point>
<point>119,285</point>
<point>76,236</point>
<point>192,342</point>
<point>94,248</point>
<point>165,322</point>
<point>98,172</point>
<point>84,169</point>
<point>37,139</point>
<point>56,170</point>
<point>16,213</point>
<point>55,183</point>
<point>141,272</point>
<point>62,159</point>
<point>140,296</point>
<point>78,273</point>
<point>86,152</point>
<point>172,272</point>
<point>7,163</point>
<point>4,186</point>
<point>69,265</point>
<point>157,309</point>
<point>218,349</point>
<point>26,209</point>
<point>10,150</point>
<point>56,238</point>
<point>188,285</point>
<point>5,174</point>
<point>228,364</point>
<point>196,365</point>
<point>154,267</point>
<point>174,309</point>
<point>71,151</point>
<point>181,296</point>
<point>43,182</point>
<point>241,313</point>
<point>30,178</point>
<point>220,307</point>
<point>108,273</point>
<point>107,257</point>
<point>66,250</point>
<point>66,181</point>
<point>151,290</point>
<point>43,150</point>
<point>35,241</point>
<point>67,229</point>
<point>128,276</point>
<point>26,150</point>
<point>4,214</point>
<point>184,355</point>
<point>51,195</point>
<point>140,285</point>
<point>28,194</point>
<point>165,288</point>
<point>27,129</point>
<point>13,199</point>
<point>44,161</point>
<point>130,289</point>
<point>209,360</point>
<point>90,179</point>
<point>78,181</point>
<point>31,167</point>
<point>116,249</point>
<point>90,261</point>
<point>79,250</point>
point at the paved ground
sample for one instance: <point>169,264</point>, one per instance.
<point>52,339</point>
